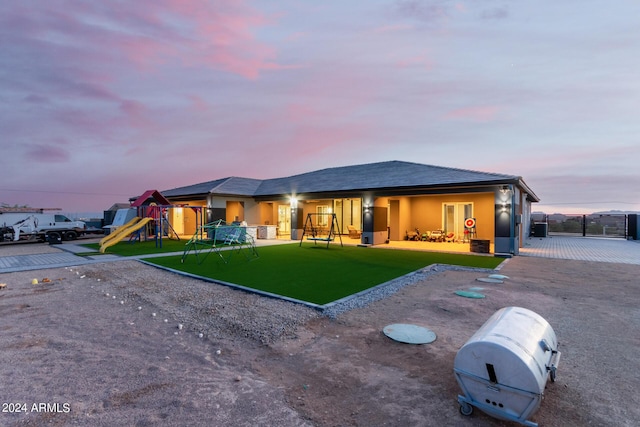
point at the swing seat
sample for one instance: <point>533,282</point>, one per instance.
<point>321,239</point>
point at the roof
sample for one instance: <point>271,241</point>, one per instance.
<point>371,176</point>
<point>226,186</point>
<point>151,194</point>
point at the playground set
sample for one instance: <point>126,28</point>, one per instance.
<point>224,239</point>
<point>320,230</point>
<point>147,216</point>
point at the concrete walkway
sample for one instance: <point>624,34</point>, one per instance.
<point>584,249</point>
<point>574,248</point>
<point>37,256</point>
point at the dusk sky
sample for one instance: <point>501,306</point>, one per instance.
<point>102,100</point>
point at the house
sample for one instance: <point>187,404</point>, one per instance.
<point>384,200</point>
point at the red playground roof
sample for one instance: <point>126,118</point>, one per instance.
<point>155,195</point>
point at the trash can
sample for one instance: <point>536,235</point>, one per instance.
<point>504,367</point>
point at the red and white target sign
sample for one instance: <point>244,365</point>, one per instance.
<point>470,222</point>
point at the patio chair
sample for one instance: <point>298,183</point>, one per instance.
<point>233,238</point>
<point>353,232</point>
<point>450,237</point>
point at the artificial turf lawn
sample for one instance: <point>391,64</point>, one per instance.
<point>125,248</point>
<point>316,274</point>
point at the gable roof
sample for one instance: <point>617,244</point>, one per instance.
<point>151,194</point>
<point>371,176</point>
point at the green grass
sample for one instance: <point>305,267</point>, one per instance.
<point>316,274</point>
<point>125,248</point>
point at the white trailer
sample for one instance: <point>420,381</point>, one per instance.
<point>38,226</point>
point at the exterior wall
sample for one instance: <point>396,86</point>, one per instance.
<point>268,213</point>
<point>237,209</point>
<point>252,212</point>
<point>426,212</point>
<point>190,217</point>
<point>505,230</point>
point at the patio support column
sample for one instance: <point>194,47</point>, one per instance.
<point>297,221</point>
<point>374,223</point>
<point>504,221</point>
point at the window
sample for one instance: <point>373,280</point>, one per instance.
<point>323,212</point>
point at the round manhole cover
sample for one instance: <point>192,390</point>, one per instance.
<point>410,334</point>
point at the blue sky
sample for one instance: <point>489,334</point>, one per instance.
<point>100,101</point>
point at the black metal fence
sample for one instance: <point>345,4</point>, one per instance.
<point>592,225</point>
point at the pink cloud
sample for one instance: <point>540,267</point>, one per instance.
<point>201,33</point>
<point>484,113</point>
<point>42,153</point>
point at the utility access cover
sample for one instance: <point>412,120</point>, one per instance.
<point>470,294</point>
<point>489,280</point>
<point>410,334</point>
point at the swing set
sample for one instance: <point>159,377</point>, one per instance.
<point>321,230</point>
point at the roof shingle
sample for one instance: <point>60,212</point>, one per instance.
<point>371,176</point>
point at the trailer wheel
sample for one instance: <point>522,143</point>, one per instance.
<point>466,409</point>
<point>53,237</point>
<point>70,235</point>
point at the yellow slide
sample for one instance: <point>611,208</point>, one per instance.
<point>114,233</point>
<point>122,232</point>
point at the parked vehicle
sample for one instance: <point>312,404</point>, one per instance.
<point>15,226</point>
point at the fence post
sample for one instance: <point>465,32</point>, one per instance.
<point>584,225</point>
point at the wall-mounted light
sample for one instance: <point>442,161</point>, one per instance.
<point>505,189</point>
<point>293,202</point>
<point>505,206</point>
<point>367,208</point>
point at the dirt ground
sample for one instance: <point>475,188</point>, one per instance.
<point>71,355</point>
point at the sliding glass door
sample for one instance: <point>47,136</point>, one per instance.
<point>453,217</point>
<point>348,212</point>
